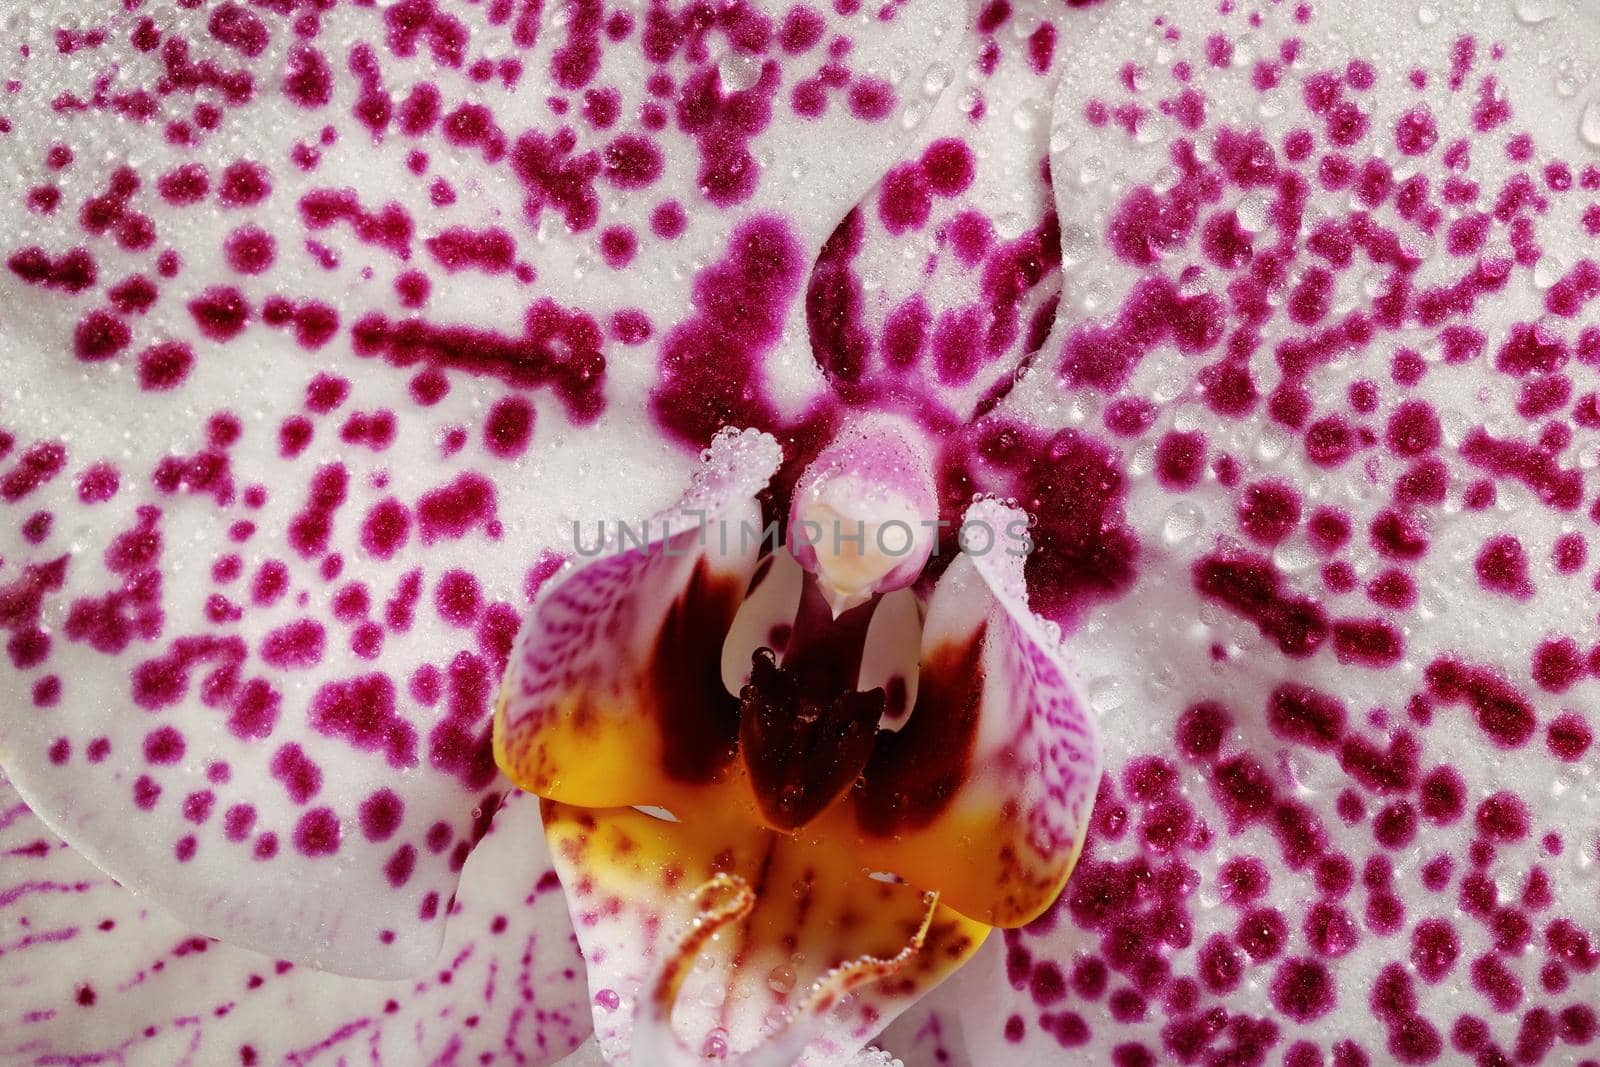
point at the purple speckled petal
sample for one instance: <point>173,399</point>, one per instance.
<point>94,975</point>
<point>321,328</point>
<point>1321,529</point>
<point>945,276</point>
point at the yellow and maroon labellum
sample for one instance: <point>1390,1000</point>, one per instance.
<point>845,853</point>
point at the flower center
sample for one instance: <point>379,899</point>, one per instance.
<point>805,731</point>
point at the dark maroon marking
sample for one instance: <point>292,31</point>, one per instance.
<point>389,227</point>
<point>839,340</point>
<point>805,733</point>
<point>1501,711</point>
<point>1306,716</point>
<point>914,773</point>
<point>99,335</point>
<point>802,753</point>
<point>296,645</point>
<point>492,250</point>
<point>72,272</point>
<point>386,528</point>
<point>1084,549</point>
<point>697,719</point>
<point>311,528</point>
<point>1252,586</point>
<point>558,347</point>
<point>453,510</point>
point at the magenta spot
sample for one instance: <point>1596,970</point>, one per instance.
<point>164,746</point>
<point>1443,796</point>
<point>668,220</point>
<point>1500,710</point>
<point>318,832</point>
<point>243,184</point>
<point>386,528</point>
<point>297,645</point>
<point>1201,729</point>
<point>1269,512</point>
<point>311,528</point>
<point>1306,716</point>
<point>301,778</point>
<point>1558,664</point>
<point>399,867</point>
<point>1303,989</point>
<point>871,99</point>
<point>618,246</point>
<point>492,250</point>
<point>99,335</point>
<point>1180,460</point>
<point>631,162</point>
<point>948,167</point>
<point>381,814</point>
<point>1252,587</point>
<point>1262,933</point>
<point>362,711</point>
<point>453,510</point>
<point>457,598</point>
<point>412,287</point>
<point>220,312</point>
<point>1416,133</point>
<point>250,250</point>
<point>904,199</point>
<point>1569,736</point>
<point>1503,818</point>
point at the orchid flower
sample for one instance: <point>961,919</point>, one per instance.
<point>325,324</point>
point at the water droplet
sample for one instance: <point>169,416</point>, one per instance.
<point>781,979</point>
<point>1589,124</point>
<point>1184,520</point>
<point>607,1000</point>
<point>716,1046</point>
<point>1076,245</point>
<point>1428,14</point>
<point>1548,271</point>
<point>1292,557</point>
<point>1029,114</point>
<point>1533,12</point>
<point>1010,225</point>
<point>738,72</point>
<point>937,79</point>
<point>1252,214</point>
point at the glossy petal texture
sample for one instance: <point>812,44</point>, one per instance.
<point>302,310</point>
<point>94,975</point>
<point>616,694</point>
<point>999,760</point>
<point>1344,675</point>
<point>633,880</point>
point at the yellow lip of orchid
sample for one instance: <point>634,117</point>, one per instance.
<point>736,865</point>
